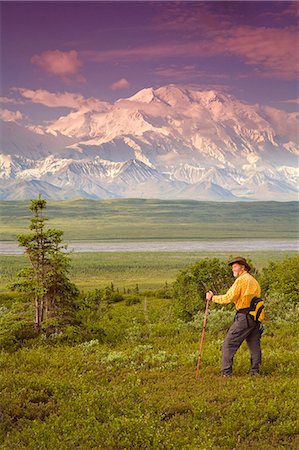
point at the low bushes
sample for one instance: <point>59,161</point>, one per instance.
<point>132,300</point>
<point>279,282</point>
<point>281,279</point>
<point>193,282</point>
<point>93,309</point>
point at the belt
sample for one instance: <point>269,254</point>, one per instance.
<point>246,312</point>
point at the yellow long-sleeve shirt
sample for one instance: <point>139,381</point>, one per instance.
<point>241,292</point>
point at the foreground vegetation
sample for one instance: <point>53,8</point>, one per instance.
<point>141,391</point>
<point>129,381</point>
<point>141,219</point>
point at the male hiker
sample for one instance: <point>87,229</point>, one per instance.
<point>244,289</point>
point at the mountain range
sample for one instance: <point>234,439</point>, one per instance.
<point>172,142</point>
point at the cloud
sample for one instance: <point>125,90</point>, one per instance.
<point>12,101</point>
<point>292,10</point>
<point>271,50</point>
<point>157,51</point>
<point>65,99</point>
<point>61,64</point>
<point>197,17</point>
<point>207,30</point>
<point>10,116</point>
<point>182,73</point>
<point>286,124</point>
<point>292,100</point>
<point>51,99</point>
<point>120,84</point>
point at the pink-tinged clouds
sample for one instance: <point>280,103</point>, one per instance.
<point>156,51</point>
<point>12,101</point>
<point>201,18</point>
<point>292,9</point>
<point>58,99</point>
<point>285,123</point>
<point>120,84</point>
<point>181,73</point>
<point>10,116</point>
<point>50,99</point>
<point>273,51</point>
<point>62,64</point>
<point>292,100</point>
<point>92,49</point>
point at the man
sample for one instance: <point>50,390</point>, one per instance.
<point>244,327</point>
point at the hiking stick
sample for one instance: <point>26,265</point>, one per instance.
<point>202,336</point>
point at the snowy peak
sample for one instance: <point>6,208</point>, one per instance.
<point>167,142</point>
<point>146,95</point>
<point>174,95</point>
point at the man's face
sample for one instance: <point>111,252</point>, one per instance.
<point>237,269</point>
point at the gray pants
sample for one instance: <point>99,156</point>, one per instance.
<point>244,327</point>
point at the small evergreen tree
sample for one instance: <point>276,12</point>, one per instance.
<point>46,280</point>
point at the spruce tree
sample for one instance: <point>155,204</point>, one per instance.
<point>46,280</point>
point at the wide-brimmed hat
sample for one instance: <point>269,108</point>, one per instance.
<point>240,260</point>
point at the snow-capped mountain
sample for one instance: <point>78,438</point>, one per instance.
<point>169,142</point>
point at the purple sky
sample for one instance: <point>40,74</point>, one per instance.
<point>108,50</point>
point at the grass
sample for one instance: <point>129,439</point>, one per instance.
<point>126,269</point>
<point>137,390</point>
<point>141,219</point>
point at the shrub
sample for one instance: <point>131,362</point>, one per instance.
<point>90,346</point>
<point>165,292</point>
<point>16,333</point>
<point>8,299</point>
<point>281,279</point>
<point>109,295</point>
<point>115,359</point>
<point>93,331</point>
<point>132,300</point>
<point>161,360</point>
<point>33,402</point>
<point>15,325</point>
<point>3,311</point>
<point>279,310</point>
<point>219,319</point>
<point>91,300</point>
<point>192,283</point>
<point>148,293</point>
<point>115,297</point>
<point>164,329</point>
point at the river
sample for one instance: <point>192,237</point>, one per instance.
<point>7,248</point>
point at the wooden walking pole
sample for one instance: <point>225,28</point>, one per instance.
<point>202,336</point>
